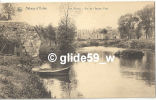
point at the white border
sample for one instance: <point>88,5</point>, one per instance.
<point>3,1</point>
<point>22,1</point>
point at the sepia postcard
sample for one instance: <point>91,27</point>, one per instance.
<point>73,50</point>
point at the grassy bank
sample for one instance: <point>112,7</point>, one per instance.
<point>131,44</point>
<point>17,80</point>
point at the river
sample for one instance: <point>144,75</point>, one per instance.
<point>120,78</point>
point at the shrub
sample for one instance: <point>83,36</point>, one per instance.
<point>142,44</point>
<point>94,43</point>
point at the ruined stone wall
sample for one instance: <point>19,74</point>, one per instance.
<point>23,33</point>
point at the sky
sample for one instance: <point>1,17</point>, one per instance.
<point>91,15</point>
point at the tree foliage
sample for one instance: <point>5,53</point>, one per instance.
<point>46,33</point>
<point>66,32</point>
<point>127,25</point>
<point>133,25</point>
<point>8,11</point>
<point>51,34</point>
<point>103,31</point>
<point>66,36</point>
<point>147,20</point>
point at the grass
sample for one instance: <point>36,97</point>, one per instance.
<point>17,81</point>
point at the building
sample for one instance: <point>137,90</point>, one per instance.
<point>96,34</point>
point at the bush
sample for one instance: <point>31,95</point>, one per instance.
<point>94,43</point>
<point>142,44</point>
<point>130,54</point>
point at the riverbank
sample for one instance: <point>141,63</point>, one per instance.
<point>18,81</point>
<point>120,43</point>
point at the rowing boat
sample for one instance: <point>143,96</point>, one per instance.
<point>52,72</point>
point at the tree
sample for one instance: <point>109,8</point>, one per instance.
<point>47,33</point>
<point>127,26</point>
<point>8,10</point>
<point>66,35</point>
<point>147,15</point>
<point>2,17</point>
<point>104,31</point>
<point>139,31</point>
<point>51,34</point>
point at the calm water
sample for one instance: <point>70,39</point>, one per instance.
<point>121,78</point>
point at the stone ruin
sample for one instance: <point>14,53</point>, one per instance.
<point>22,33</point>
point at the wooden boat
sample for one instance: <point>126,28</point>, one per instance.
<point>52,72</point>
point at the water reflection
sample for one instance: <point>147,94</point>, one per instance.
<point>62,86</point>
<point>140,69</point>
<point>121,78</point>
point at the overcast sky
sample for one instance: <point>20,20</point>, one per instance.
<point>86,15</point>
